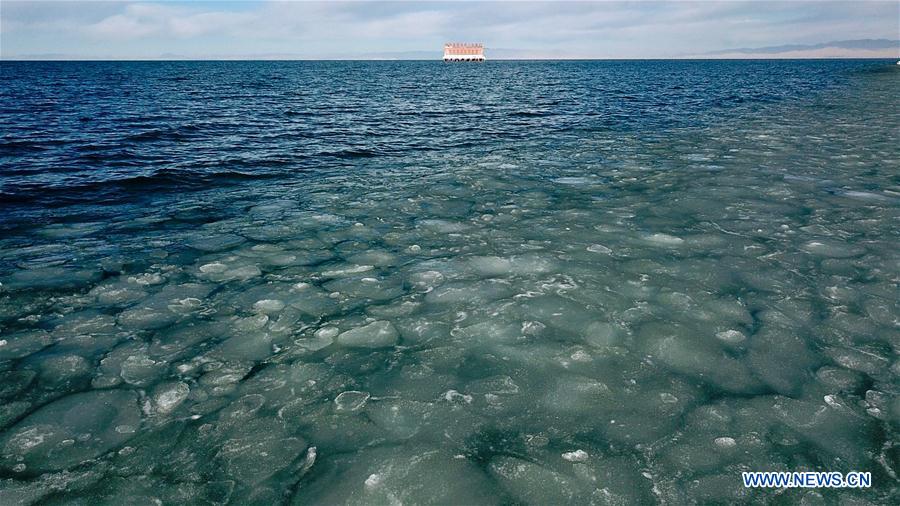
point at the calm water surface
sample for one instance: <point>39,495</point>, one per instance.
<point>411,282</point>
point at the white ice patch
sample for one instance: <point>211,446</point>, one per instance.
<point>378,258</point>
<point>725,442</point>
<point>865,196</point>
<point>147,279</point>
<point>663,239</point>
<point>213,268</point>
<point>454,396</point>
<point>831,249</point>
<point>491,266</point>
<point>251,323</point>
<point>351,400</point>
<point>374,480</point>
<point>268,306</point>
<point>377,334</point>
<point>169,397</point>
<point>599,248</point>
<point>117,293</point>
<point>524,265</point>
<point>141,370</point>
<point>731,336</point>
<point>603,334</point>
<point>443,226</point>
<point>576,456</point>
<point>426,281</point>
<point>347,271</point>
<point>575,180</point>
<point>580,356</point>
<point>327,333</point>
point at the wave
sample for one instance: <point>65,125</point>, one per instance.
<point>291,112</point>
<point>351,153</point>
<point>180,133</point>
<point>530,113</point>
<point>10,148</point>
<point>117,190</point>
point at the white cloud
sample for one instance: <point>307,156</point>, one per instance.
<point>144,20</point>
<point>122,26</point>
<point>207,22</point>
<point>589,29</point>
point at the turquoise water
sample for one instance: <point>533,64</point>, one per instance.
<point>384,283</point>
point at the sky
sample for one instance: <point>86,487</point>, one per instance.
<point>74,29</point>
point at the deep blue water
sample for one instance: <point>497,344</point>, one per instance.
<point>618,282</point>
<point>108,131</point>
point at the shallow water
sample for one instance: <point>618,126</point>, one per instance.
<point>592,282</point>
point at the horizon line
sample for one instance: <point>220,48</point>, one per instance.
<point>438,60</point>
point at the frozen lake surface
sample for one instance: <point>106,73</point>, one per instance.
<point>329,283</point>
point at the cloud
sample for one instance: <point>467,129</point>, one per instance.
<point>122,26</point>
<point>322,29</point>
<point>143,20</point>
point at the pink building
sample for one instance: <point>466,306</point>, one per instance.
<point>463,51</point>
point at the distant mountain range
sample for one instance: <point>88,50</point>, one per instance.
<point>861,48</point>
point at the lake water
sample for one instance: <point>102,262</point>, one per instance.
<point>410,282</point>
